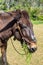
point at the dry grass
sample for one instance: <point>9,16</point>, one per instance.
<point>37,58</point>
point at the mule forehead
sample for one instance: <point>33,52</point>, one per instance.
<point>29,28</point>
<point>26,21</point>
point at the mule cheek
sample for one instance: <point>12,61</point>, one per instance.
<point>17,35</point>
<point>24,33</point>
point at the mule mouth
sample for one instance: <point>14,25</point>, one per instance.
<point>32,50</point>
<point>31,45</point>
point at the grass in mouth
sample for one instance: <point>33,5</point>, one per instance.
<point>27,54</point>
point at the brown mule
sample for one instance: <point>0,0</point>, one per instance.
<point>17,24</point>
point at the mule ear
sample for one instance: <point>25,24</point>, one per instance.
<point>25,14</point>
<point>18,11</point>
<point>18,15</point>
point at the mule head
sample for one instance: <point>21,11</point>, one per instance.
<point>28,36</point>
<point>25,32</point>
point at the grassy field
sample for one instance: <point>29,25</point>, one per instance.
<point>37,21</point>
<point>14,58</point>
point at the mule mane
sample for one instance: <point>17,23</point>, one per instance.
<point>25,14</point>
<point>14,17</point>
<point>8,18</point>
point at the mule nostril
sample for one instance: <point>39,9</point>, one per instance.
<point>33,49</point>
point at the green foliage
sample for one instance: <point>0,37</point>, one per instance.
<point>33,13</point>
<point>37,21</point>
<point>3,7</point>
<point>33,10</point>
<point>40,17</point>
<point>27,53</point>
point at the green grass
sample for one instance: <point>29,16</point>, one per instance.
<point>37,22</point>
<point>37,57</point>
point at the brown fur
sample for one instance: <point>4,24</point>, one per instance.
<point>12,24</point>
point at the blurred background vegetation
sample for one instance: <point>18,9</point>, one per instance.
<point>33,7</point>
<point>35,10</point>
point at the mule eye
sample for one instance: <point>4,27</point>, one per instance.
<point>24,33</point>
<point>22,25</point>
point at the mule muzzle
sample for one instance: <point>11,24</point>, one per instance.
<point>32,48</point>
